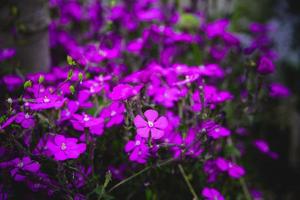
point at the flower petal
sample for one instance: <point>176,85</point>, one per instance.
<point>156,133</point>
<point>143,132</point>
<point>139,122</point>
<point>151,115</point>
<point>161,123</point>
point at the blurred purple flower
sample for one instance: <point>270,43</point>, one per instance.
<point>212,194</point>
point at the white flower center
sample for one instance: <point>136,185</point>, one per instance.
<point>150,124</point>
<point>102,53</point>
<point>46,100</point>
<point>68,113</point>
<point>137,143</point>
<point>101,78</point>
<point>63,146</point>
<point>20,164</point>
<point>27,116</point>
<point>86,118</point>
<point>92,90</point>
<point>113,113</point>
<point>217,130</point>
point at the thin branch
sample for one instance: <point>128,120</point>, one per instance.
<point>188,182</point>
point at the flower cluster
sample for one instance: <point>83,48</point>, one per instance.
<point>140,91</point>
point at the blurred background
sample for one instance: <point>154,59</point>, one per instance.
<point>30,37</point>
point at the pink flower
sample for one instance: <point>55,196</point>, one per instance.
<point>265,66</point>
<point>21,165</point>
<point>25,120</point>
<point>138,150</point>
<point>82,121</point>
<point>215,130</point>
<point>234,170</point>
<point>154,125</point>
<point>114,113</point>
<point>124,91</point>
<point>211,194</point>
<point>278,90</point>
<point>65,148</point>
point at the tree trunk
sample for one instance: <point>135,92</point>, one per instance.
<point>31,38</point>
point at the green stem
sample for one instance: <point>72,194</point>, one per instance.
<point>140,172</point>
<point>242,180</point>
<point>188,182</point>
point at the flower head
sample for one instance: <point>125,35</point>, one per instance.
<point>234,170</point>
<point>212,194</point>
<point>65,148</point>
<point>152,126</point>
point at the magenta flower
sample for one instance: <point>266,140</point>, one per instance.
<point>211,171</point>
<point>25,120</point>
<point>265,66</point>
<point>6,54</point>
<point>234,170</point>
<point>263,147</point>
<point>212,194</point>
<point>8,122</point>
<point>12,82</point>
<point>214,130</point>
<point>216,28</point>
<point>20,166</point>
<point>47,102</point>
<point>114,114</point>
<point>124,91</point>
<point>138,149</point>
<point>65,148</point>
<point>95,125</point>
<point>154,125</point>
<point>278,90</point>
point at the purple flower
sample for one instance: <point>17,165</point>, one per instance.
<point>65,148</point>
<point>46,102</point>
<point>114,114</point>
<point>81,175</point>
<point>166,96</point>
<point>82,121</point>
<point>211,70</point>
<point>263,146</point>
<point>212,194</point>
<point>265,66</point>
<point>20,166</point>
<point>278,90</point>
<point>216,28</point>
<point>124,91</point>
<point>154,125</point>
<point>117,172</point>
<point>26,120</point>
<point>215,130</point>
<point>8,122</point>
<point>6,54</point>
<point>234,170</point>
<point>12,82</point>
<point>211,170</point>
<point>138,149</point>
